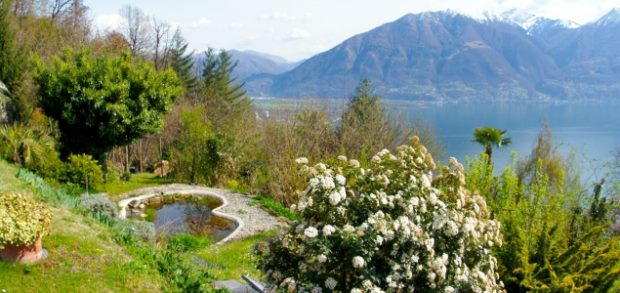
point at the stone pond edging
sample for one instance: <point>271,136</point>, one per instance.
<point>235,207</point>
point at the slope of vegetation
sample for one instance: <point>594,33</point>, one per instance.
<point>82,255</point>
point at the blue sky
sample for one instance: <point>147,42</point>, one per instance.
<point>298,29</point>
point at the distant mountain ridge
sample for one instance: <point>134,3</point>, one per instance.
<point>449,56</point>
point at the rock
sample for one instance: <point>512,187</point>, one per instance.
<point>161,168</point>
<point>141,206</point>
<point>155,200</point>
<point>133,204</point>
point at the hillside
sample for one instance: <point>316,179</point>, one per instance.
<point>82,256</point>
<point>450,56</point>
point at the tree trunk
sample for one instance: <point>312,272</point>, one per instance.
<point>489,152</point>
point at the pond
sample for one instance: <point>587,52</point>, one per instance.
<point>176,214</point>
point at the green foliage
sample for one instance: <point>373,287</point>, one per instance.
<point>187,242</point>
<point>128,231</point>
<point>489,138</point>
<point>395,225</point>
<point>276,208</point>
<point>181,61</point>
<point>225,99</point>
<point>98,204</point>
<point>83,170</point>
<point>22,219</point>
<point>195,152</point>
<point>101,102</point>
<point>365,126</point>
<point>552,242</point>
<point>11,60</point>
<point>31,148</point>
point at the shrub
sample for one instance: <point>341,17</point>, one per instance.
<point>390,227</point>
<point>22,219</point>
<point>98,204</point>
<point>128,230</point>
<point>83,170</point>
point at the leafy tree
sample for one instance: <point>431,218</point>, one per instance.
<point>83,170</point>
<point>489,138</point>
<point>181,61</point>
<point>101,102</point>
<point>195,152</point>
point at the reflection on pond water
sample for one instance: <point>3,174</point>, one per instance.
<point>175,214</point>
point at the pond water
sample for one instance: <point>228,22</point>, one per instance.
<point>188,214</point>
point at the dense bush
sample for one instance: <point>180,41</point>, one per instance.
<point>83,170</point>
<point>388,227</point>
<point>22,219</point>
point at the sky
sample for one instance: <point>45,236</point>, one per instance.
<point>299,29</point>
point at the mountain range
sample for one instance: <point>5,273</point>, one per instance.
<point>447,56</point>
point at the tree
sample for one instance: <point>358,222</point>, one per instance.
<point>10,59</point>
<point>23,145</point>
<point>181,61</point>
<point>195,153</point>
<point>136,29</point>
<point>161,43</point>
<point>489,138</point>
<point>225,99</point>
<point>365,125</point>
<point>101,102</point>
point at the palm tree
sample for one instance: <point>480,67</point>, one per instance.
<point>22,144</point>
<point>490,137</point>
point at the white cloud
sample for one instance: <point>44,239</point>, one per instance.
<point>109,22</point>
<point>285,17</point>
<point>296,34</point>
<point>235,25</point>
<point>201,23</point>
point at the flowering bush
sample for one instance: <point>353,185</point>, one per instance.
<point>22,219</point>
<point>391,227</point>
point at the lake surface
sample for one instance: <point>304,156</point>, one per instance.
<point>591,131</point>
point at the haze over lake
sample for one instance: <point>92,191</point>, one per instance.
<point>589,130</point>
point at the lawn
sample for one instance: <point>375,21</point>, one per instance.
<point>82,256</point>
<point>8,181</point>
<point>230,260</point>
<point>136,181</point>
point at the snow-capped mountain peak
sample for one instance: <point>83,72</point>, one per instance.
<point>612,17</point>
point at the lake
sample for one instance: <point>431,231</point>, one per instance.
<point>590,130</point>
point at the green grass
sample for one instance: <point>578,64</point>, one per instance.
<point>139,180</point>
<point>276,208</point>
<point>8,181</point>
<point>231,260</point>
<point>82,256</point>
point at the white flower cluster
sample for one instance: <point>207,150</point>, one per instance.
<point>397,226</point>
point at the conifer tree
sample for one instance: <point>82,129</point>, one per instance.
<point>224,97</point>
<point>181,61</point>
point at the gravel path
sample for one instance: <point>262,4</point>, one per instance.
<point>250,218</point>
